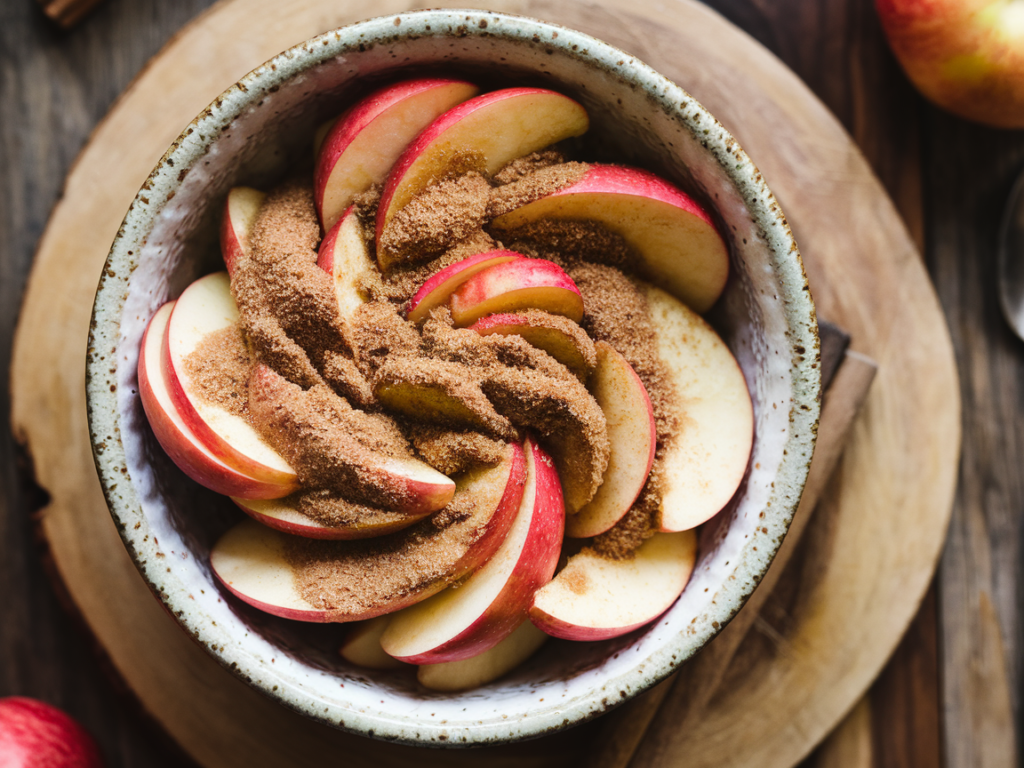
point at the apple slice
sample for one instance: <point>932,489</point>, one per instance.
<point>488,666</point>
<point>240,211</point>
<point>561,338</point>
<point>515,285</point>
<point>672,234</point>
<point>174,434</point>
<point>344,255</point>
<point>595,598</point>
<point>205,307</point>
<point>331,442</point>
<point>362,645</point>
<point>283,515</point>
<point>360,148</point>
<point>372,577</point>
<point>705,462</point>
<point>483,610</point>
<point>436,290</point>
<point>483,134</point>
<point>632,437</point>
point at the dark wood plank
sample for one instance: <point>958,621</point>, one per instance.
<point>970,171</point>
<point>54,87</point>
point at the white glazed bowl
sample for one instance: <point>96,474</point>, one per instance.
<point>261,128</point>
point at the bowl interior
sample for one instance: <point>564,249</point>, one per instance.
<point>260,131</point>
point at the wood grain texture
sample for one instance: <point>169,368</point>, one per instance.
<point>684,698</point>
<point>54,88</point>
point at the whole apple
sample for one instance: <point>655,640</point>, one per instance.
<point>36,735</point>
<point>967,56</point>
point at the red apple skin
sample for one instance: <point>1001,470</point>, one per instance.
<point>271,558</point>
<point>34,734</point>
<point>692,260</point>
<point>180,443</point>
<point>966,56</point>
<point>438,288</point>
<point>515,285</point>
<point>534,567</point>
<point>241,207</point>
<point>282,516</point>
<point>495,110</point>
<point>363,144</point>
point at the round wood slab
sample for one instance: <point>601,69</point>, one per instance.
<point>869,552</point>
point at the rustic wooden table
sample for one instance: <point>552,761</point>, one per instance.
<point>952,686</point>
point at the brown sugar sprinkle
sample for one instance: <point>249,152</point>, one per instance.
<point>452,451</point>
<point>364,578</point>
<point>287,303</point>
<point>533,186</point>
<point>566,241</point>
<point>523,166</point>
<point>219,369</point>
<point>402,282</point>
<point>437,219</point>
<point>378,333</point>
<point>332,510</point>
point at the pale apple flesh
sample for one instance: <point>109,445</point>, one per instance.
<point>542,330</point>
<point>437,289</point>
<point>484,133</point>
<point>205,307</point>
<point>488,666</point>
<point>706,461</point>
<point>241,208</point>
<point>365,142</point>
<point>175,436</point>
<point>377,576</point>
<point>675,238</point>
<point>461,622</point>
<point>596,598</point>
<point>362,645</point>
<point>344,256</point>
<point>633,439</point>
<point>516,285</point>
<point>281,514</point>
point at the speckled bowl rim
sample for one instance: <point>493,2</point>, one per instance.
<point>196,140</point>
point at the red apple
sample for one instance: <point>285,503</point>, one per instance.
<point>706,461</point>
<point>37,735</point>
<point>632,437</point>
<point>563,340</point>
<point>595,598</point>
<point>484,133</point>
<point>515,285</point>
<point>360,148</point>
<point>461,622</point>
<point>174,434</point>
<point>673,235</point>
<point>362,645</point>
<point>345,257</point>
<point>241,208</point>
<point>377,576</point>
<point>436,290</point>
<point>486,667</point>
<point>207,306</point>
<point>282,515</point>
<point>967,56</point>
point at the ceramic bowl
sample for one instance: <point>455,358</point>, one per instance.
<point>261,128</point>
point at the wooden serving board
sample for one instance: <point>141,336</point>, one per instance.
<point>866,558</point>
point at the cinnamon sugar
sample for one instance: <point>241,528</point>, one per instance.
<point>219,370</point>
<point>532,186</point>
<point>523,166</point>
<point>566,241</point>
<point>452,451</point>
